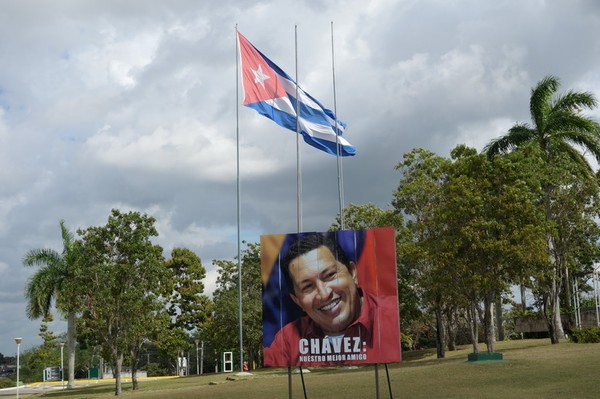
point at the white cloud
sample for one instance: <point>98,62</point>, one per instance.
<point>116,59</point>
<point>186,148</point>
<point>478,134</point>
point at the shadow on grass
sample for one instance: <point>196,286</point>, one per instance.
<point>91,390</point>
<point>530,344</point>
<point>408,356</point>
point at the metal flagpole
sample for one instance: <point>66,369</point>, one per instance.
<point>298,186</point>
<point>237,137</point>
<point>298,164</point>
<point>338,146</point>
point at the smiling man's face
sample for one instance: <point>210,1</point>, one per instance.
<point>325,289</point>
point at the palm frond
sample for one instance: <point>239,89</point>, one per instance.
<point>40,289</point>
<point>67,237</point>
<point>516,136</point>
<point>565,120</point>
<point>574,101</point>
<point>583,167</point>
<point>540,102</point>
<point>586,140</point>
<point>44,256</point>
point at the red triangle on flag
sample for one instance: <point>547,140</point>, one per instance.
<point>259,80</point>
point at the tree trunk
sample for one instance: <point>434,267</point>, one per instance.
<point>567,284</point>
<point>439,332</point>
<point>557,329</point>
<point>451,324</point>
<point>117,372</point>
<point>499,320</point>
<point>556,332</point>
<point>101,371</point>
<point>134,367</point>
<point>488,324</point>
<point>71,334</point>
<point>523,298</point>
<point>474,327</point>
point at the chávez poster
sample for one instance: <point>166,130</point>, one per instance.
<point>330,298</point>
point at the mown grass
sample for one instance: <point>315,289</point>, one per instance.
<point>530,369</point>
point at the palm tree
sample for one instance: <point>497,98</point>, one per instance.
<point>51,282</point>
<point>558,129</point>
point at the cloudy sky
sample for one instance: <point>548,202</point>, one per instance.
<point>132,105</point>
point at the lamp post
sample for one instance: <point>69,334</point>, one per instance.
<point>62,373</point>
<point>197,341</point>
<point>596,280</point>
<point>202,357</point>
<point>18,342</point>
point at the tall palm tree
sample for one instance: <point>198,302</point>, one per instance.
<point>559,129</point>
<point>51,282</point>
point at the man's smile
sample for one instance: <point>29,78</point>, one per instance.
<point>330,305</point>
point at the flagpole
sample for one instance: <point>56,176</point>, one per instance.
<point>298,172</point>
<point>298,161</point>
<point>239,258</point>
<point>337,140</point>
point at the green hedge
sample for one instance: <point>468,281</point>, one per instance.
<point>6,383</point>
<point>586,335</point>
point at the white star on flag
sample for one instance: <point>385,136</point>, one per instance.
<point>260,77</point>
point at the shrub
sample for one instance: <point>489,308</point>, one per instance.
<point>406,341</point>
<point>586,335</point>
<point>6,383</point>
<point>155,370</point>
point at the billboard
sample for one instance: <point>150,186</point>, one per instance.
<point>330,298</point>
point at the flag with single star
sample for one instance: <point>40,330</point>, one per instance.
<point>272,93</point>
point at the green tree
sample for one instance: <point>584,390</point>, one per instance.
<point>188,305</point>
<point>45,355</point>
<point>359,217</point>
<point>173,341</point>
<point>220,331</point>
<point>492,224</point>
<point>122,286</point>
<point>574,204</point>
<point>57,272</point>
<point>418,196</point>
<point>558,127</point>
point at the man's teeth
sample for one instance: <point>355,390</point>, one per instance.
<point>330,305</point>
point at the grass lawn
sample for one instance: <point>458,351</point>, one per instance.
<point>530,369</point>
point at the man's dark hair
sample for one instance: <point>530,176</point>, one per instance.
<point>305,244</point>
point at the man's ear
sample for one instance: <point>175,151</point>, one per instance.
<point>352,270</point>
<point>295,299</point>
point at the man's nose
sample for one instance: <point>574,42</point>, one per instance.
<point>323,290</point>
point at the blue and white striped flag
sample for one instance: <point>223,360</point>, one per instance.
<point>272,93</point>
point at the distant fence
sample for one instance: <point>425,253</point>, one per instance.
<point>536,324</point>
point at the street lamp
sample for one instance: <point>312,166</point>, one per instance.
<point>18,341</point>
<point>62,373</point>
<point>202,357</point>
<point>197,341</point>
<point>596,280</point>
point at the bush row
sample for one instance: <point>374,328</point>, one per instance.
<point>6,383</point>
<point>586,335</point>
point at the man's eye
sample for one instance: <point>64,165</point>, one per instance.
<point>307,287</point>
<point>331,275</point>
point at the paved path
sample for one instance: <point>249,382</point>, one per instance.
<point>40,387</point>
<point>26,390</point>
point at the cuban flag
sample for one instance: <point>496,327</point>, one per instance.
<point>272,93</point>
